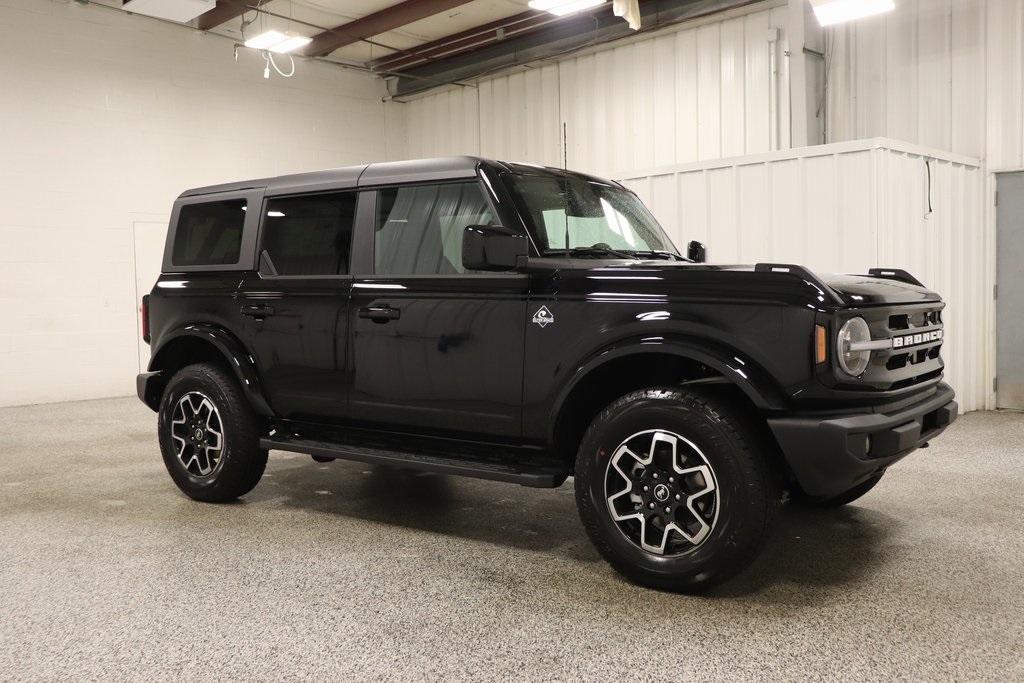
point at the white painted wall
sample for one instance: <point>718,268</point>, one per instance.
<point>947,74</point>
<point>703,91</point>
<point>104,119</point>
<point>847,207</point>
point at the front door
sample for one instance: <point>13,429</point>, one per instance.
<point>436,348</point>
<point>296,308</point>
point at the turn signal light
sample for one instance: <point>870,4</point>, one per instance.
<point>820,344</point>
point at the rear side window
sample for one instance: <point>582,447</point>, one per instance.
<point>420,228</point>
<point>310,235</point>
<point>209,233</point>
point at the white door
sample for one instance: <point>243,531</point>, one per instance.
<point>148,240</point>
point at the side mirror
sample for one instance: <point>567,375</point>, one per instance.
<point>696,252</point>
<point>492,247</point>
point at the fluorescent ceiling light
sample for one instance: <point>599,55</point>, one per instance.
<point>830,12</point>
<point>275,41</point>
<point>292,43</point>
<point>265,40</point>
<point>275,214</point>
<point>562,7</point>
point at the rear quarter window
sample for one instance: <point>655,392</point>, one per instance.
<point>209,233</point>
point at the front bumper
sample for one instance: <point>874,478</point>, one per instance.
<point>149,387</point>
<point>830,454</point>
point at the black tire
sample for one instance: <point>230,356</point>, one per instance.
<point>241,461</point>
<point>747,490</point>
<point>843,498</point>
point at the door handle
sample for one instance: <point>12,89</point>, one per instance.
<point>258,311</point>
<point>380,314</point>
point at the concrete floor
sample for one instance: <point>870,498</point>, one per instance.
<point>343,571</point>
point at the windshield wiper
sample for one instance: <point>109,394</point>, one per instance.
<point>655,253</point>
<point>591,251</point>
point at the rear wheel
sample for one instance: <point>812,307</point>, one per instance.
<point>672,488</point>
<point>208,435</point>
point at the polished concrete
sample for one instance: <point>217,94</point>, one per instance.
<point>348,572</point>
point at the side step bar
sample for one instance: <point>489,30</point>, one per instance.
<point>537,477</point>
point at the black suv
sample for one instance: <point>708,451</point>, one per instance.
<point>524,324</point>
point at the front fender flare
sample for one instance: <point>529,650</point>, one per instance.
<point>736,368</point>
<point>231,349</point>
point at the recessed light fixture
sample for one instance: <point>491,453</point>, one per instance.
<point>830,12</point>
<point>562,7</point>
<point>275,41</point>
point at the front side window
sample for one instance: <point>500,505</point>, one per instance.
<point>209,233</point>
<point>575,214</point>
<point>419,227</point>
<point>310,235</point>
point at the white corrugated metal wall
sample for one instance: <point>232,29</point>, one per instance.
<point>847,207</point>
<point>701,92</point>
<point>947,74</point>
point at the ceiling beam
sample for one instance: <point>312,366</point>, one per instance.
<point>463,40</point>
<point>225,11</point>
<point>374,24</point>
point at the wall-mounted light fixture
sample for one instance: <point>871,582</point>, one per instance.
<point>830,12</point>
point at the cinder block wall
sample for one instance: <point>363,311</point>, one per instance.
<point>104,119</point>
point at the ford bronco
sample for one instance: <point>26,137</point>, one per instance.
<point>526,324</point>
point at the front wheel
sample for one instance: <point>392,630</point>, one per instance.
<point>208,435</point>
<point>673,489</point>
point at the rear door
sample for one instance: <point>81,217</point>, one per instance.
<point>436,348</point>
<point>295,308</point>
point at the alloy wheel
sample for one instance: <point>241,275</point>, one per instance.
<point>661,492</point>
<point>198,434</point>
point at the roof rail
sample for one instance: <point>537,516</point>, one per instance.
<point>895,274</point>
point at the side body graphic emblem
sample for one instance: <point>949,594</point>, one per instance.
<point>543,316</point>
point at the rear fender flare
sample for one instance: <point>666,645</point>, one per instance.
<point>230,348</point>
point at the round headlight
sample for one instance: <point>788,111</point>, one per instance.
<point>853,362</point>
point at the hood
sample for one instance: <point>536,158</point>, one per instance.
<point>740,280</point>
<point>865,290</point>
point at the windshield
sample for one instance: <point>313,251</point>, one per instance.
<point>570,214</point>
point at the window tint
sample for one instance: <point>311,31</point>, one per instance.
<point>420,228</point>
<point>209,233</point>
<point>310,235</point>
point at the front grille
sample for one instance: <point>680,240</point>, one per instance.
<point>917,356</point>
<point>908,321</point>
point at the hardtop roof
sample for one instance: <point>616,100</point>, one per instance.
<point>381,173</point>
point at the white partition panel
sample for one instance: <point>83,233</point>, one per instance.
<point>847,207</point>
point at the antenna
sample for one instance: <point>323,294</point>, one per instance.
<point>565,147</point>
